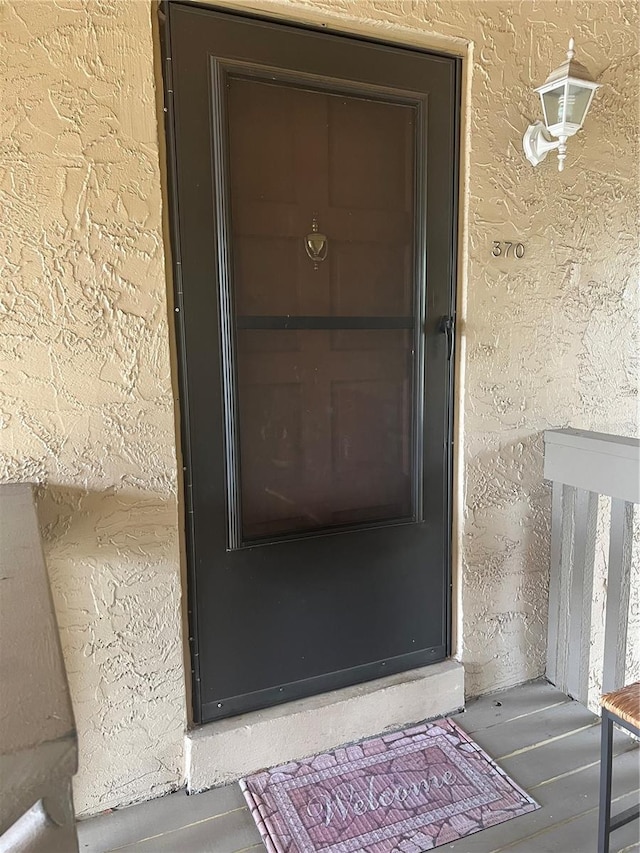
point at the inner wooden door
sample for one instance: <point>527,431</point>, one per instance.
<point>314,215</point>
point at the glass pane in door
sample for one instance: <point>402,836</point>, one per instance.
<point>322,212</point>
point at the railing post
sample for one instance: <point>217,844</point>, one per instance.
<point>564,553</point>
<point>581,596</point>
<point>555,574</point>
<point>618,582</point>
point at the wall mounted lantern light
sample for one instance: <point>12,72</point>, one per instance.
<point>566,95</point>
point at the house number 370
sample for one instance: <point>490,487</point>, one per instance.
<point>505,249</point>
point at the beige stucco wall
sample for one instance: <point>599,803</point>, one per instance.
<point>86,396</point>
<point>86,405</point>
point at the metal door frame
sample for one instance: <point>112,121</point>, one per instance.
<point>448,327</point>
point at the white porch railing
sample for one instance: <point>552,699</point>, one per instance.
<point>583,465</point>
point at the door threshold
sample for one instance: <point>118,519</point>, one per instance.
<point>226,750</point>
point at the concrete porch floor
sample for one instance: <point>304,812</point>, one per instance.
<point>543,740</point>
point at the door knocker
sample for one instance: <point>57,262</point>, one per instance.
<point>316,244</point>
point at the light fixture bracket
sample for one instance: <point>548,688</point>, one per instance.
<point>537,143</point>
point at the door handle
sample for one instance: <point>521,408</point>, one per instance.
<point>447,327</point>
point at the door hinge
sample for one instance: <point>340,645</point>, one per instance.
<point>168,66</point>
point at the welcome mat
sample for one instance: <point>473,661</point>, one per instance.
<point>404,792</point>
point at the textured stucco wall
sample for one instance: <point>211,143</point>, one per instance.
<point>86,398</point>
<point>86,393</point>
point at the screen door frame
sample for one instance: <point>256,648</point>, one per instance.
<point>202,711</point>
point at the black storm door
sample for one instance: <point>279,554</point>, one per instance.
<point>314,184</point>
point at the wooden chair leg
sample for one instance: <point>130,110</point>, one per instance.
<point>606,760</point>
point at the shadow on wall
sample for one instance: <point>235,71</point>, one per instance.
<point>113,562</point>
<point>114,523</point>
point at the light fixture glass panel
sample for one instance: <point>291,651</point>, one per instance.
<point>552,102</point>
<point>578,98</point>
